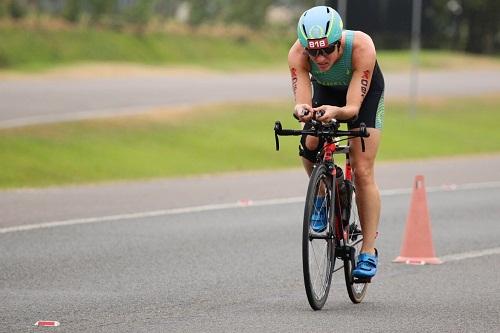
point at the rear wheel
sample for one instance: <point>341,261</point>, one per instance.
<point>318,257</point>
<point>356,291</point>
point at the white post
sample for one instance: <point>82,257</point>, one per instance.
<point>415,51</point>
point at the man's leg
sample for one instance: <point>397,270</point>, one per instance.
<point>367,193</point>
<point>311,143</point>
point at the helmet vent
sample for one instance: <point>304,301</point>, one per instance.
<point>328,10</point>
<point>304,29</point>
<point>327,26</point>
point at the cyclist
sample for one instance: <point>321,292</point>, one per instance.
<point>335,75</point>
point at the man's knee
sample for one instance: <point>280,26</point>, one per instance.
<point>364,175</point>
<point>309,148</point>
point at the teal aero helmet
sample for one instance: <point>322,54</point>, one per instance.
<point>317,24</point>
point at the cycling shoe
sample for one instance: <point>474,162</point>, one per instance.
<point>319,216</point>
<point>367,266</point>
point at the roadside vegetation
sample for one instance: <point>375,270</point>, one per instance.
<point>229,35</point>
<point>238,138</point>
<point>212,49</point>
<point>40,36</point>
<point>207,48</point>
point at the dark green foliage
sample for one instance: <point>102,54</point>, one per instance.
<point>139,13</point>
<point>72,10</point>
<point>17,10</point>
<point>465,25</point>
<point>482,19</point>
<point>99,8</point>
<point>250,13</point>
<point>3,9</point>
<point>203,11</point>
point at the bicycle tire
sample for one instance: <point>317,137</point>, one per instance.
<point>318,255</point>
<point>356,291</point>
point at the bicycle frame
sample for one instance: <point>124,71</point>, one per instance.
<point>329,149</point>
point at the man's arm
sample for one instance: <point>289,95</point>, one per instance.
<point>301,82</point>
<point>363,63</point>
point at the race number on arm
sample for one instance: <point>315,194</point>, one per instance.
<point>363,63</point>
<point>301,82</point>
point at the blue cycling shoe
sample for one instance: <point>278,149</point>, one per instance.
<point>319,218</point>
<point>367,266</point>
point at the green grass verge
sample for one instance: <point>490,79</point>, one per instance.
<point>29,49</point>
<point>401,60</point>
<point>238,138</point>
<point>38,49</point>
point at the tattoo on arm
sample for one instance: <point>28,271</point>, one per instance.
<point>293,72</point>
<point>364,83</point>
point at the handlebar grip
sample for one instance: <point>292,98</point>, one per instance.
<point>278,130</point>
<point>305,112</point>
<point>289,132</point>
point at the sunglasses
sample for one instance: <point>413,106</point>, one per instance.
<point>323,51</point>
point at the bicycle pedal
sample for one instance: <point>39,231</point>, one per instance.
<point>361,280</point>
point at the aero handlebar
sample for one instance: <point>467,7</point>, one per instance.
<point>329,130</point>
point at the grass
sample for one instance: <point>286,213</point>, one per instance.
<point>442,127</point>
<point>401,60</point>
<point>40,49</point>
<point>31,48</point>
<point>238,138</point>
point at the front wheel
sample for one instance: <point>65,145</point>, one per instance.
<point>318,249</point>
<point>354,241</point>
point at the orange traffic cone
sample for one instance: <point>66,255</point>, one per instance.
<point>417,248</point>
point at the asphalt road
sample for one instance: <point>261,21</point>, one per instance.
<point>22,207</point>
<point>239,269</point>
<point>222,253</point>
<point>42,100</point>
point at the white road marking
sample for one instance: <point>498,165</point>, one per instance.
<point>240,204</point>
<point>471,254</point>
<point>75,116</point>
<point>173,211</point>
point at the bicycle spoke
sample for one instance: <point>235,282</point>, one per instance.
<point>356,291</point>
<point>316,252</point>
<point>320,267</point>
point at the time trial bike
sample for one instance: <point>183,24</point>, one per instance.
<point>334,195</point>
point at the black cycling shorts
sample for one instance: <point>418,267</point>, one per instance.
<point>371,112</point>
<point>372,109</point>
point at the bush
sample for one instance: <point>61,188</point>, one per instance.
<point>3,9</point>
<point>17,10</point>
<point>72,11</point>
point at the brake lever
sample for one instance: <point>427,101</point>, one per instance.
<point>277,129</point>
<point>363,130</point>
<point>364,134</point>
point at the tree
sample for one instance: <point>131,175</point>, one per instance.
<point>99,8</point>
<point>139,14</point>
<point>482,18</point>
<point>17,10</point>
<point>251,13</point>
<point>72,11</point>
<point>3,9</point>
<point>470,25</point>
<point>203,11</point>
